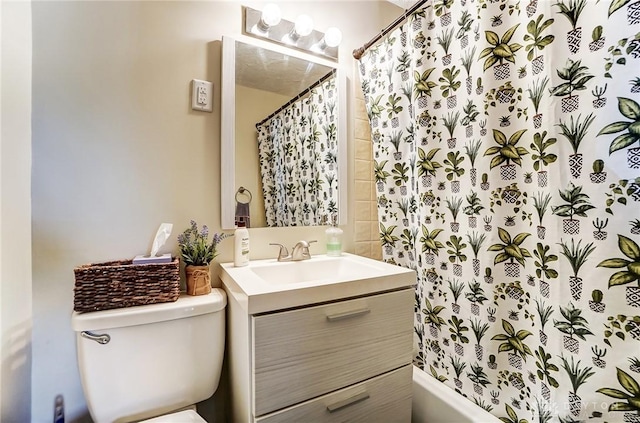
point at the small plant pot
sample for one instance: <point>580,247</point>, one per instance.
<point>541,231</point>
<point>501,71</point>
<point>633,296</point>
<point>469,131</point>
<point>546,392</point>
<point>451,142</point>
<point>433,330</point>
<point>599,235</point>
<point>446,60</point>
<point>492,365</point>
<point>479,352</point>
<point>473,222</point>
<point>477,388</point>
<point>457,382</point>
<point>633,158</point>
<point>543,178</point>
<point>510,196</point>
<point>515,361</point>
<point>455,226</point>
<point>514,293</point>
<point>532,7</point>
<point>484,186</point>
<point>457,270</point>
<point>487,228</point>
<point>198,280</point>
<point>455,308</point>
<point>575,404</point>
<point>571,226</point>
<point>427,180</point>
<point>598,177</point>
<point>475,309</point>
<point>476,267</point>
<point>512,270</point>
<point>455,186</point>
<point>516,382</point>
<point>537,120</point>
<point>571,344</point>
<point>599,102</point>
<point>537,65</point>
<point>488,279</point>
<point>543,338</point>
<point>508,172</point>
<point>598,362</point>
<point>544,289</point>
<point>596,44</point>
<point>633,13</point>
<point>445,20</point>
<point>574,38</point>
<point>597,307</point>
<point>575,286</point>
<point>458,348</point>
<point>429,258</point>
<point>569,104</point>
<point>575,165</point>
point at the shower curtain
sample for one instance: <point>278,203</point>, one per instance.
<point>506,141</point>
<point>298,159</point>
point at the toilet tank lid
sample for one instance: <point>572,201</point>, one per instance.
<point>185,306</point>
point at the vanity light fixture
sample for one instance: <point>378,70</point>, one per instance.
<point>270,16</point>
<point>267,24</point>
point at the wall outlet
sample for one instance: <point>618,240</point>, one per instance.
<point>201,95</point>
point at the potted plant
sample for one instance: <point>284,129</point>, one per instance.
<point>540,157</point>
<point>475,241</point>
<point>574,324</point>
<point>577,257</point>
<point>456,256</point>
<point>575,132</point>
<point>506,151</point>
<point>510,250</point>
<point>513,341</point>
<point>577,376</point>
<point>545,367</point>
<point>449,85</point>
<point>427,166</point>
<point>541,204</point>
<point>478,377</point>
<point>537,42</point>
<point>431,318</point>
<point>598,175</point>
<point>479,330</point>
<point>572,11</point>
<point>471,151</point>
<point>544,313</point>
<point>197,252</point>
<point>576,78</point>
<point>632,273</point>
<point>499,50</point>
<point>630,131</point>
<point>631,396</point>
<point>576,203</point>
<point>453,169</point>
<point>597,40</point>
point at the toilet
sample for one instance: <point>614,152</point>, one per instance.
<point>152,362</point>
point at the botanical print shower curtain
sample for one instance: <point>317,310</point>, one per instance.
<point>298,159</point>
<point>507,159</point>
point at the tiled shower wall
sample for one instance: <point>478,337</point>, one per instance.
<point>367,241</point>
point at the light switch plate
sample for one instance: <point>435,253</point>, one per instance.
<point>201,95</point>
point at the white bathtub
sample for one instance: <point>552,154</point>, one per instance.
<point>434,402</point>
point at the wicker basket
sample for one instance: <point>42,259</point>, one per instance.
<point>117,284</point>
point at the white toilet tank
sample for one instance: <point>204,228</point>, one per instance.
<point>158,358</point>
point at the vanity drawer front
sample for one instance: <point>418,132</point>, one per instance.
<point>305,353</point>
<point>385,398</point>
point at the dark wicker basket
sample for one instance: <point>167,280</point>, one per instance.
<point>117,284</point>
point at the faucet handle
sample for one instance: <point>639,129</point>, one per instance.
<point>283,254</point>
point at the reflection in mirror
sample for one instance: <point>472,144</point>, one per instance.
<point>282,113</point>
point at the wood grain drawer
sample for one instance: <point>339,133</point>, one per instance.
<point>385,398</point>
<point>305,353</point>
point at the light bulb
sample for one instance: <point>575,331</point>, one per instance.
<point>304,25</point>
<point>333,37</point>
<point>270,16</point>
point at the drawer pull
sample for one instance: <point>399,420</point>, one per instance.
<point>347,314</point>
<point>347,402</point>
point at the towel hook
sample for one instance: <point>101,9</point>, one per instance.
<point>243,191</point>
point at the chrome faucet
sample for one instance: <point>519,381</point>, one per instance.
<point>299,252</point>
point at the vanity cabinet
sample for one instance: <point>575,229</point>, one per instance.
<point>346,360</point>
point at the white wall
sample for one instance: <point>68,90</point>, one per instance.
<point>117,150</point>
<point>15,212</point>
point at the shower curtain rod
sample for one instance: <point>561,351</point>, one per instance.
<point>305,91</point>
<point>357,53</point>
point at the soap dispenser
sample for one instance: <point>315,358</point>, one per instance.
<point>334,238</point>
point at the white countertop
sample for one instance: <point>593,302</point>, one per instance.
<point>337,278</point>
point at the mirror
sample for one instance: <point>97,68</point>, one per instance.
<point>261,82</point>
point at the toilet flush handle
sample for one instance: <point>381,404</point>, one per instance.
<point>100,339</point>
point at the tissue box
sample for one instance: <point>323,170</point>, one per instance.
<point>117,284</point>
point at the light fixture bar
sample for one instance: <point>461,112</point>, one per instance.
<point>281,34</point>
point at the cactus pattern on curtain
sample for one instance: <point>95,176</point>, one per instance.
<point>298,159</point>
<point>506,142</point>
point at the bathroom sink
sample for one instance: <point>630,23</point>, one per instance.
<point>268,285</point>
<point>327,269</point>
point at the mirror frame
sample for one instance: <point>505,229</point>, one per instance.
<point>228,130</point>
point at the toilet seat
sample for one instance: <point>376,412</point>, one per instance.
<point>186,416</point>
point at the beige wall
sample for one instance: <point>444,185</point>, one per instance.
<point>15,212</point>
<point>252,106</point>
<point>117,150</point>
<point>367,234</point>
